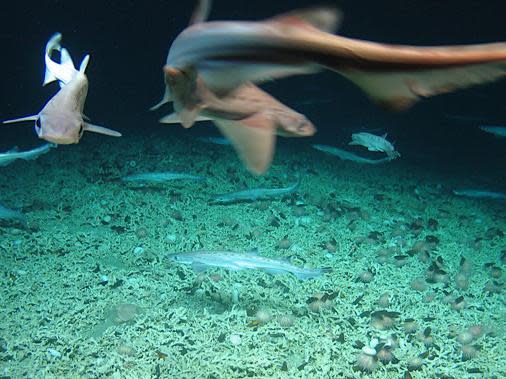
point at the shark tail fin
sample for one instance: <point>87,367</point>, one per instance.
<point>64,71</point>
<point>400,90</point>
<point>396,77</point>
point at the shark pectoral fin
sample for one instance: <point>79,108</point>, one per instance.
<point>253,138</point>
<point>101,130</point>
<point>398,90</point>
<point>22,119</point>
<point>173,118</point>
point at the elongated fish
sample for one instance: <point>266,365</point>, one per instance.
<point>498,131</point>
<point>159,177</point>
<point>255,194</point>
<point>10,156</point>
<point>480,194</point>
<point>211,65</point>
<point>10,214</point>
<point>61,121</point>
<point>349,156</point>
<point>202,260</point>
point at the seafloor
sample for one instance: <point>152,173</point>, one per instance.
<point>87,290</point>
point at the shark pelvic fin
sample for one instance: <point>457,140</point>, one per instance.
<point>101,130</point>
<point>165,99</point>
<point>253,138</point>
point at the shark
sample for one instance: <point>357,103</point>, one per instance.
<point>61,120</point>
<point>214,64</point>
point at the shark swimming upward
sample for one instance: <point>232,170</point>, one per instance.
<point>211,66</point>
<point>61,121</point>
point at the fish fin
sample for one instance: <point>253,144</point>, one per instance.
<point>173,118</point>
<point>322,18</point>
<point>199,267</point>
<point>165,99</point>
<point>101,130</point>
<point>64,71</point>
<point>274,271</point>
<point>22,119</point>
<point>201,12</point>
<point>253,139</point>
<point>398,90</point>
<point>84,64</point>
<point>15,149</point>
<point>312,274</point>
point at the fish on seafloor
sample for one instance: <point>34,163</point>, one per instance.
<point>254,194</point>
<point>10,156</point>
<point>480,194</point>
<point>61,121</point>
<point>498,131</point>
<point>349,156</point>
<point>11,214</point>
<point>146,178</point>
<point>374,143</point>
<point>203,260</point>
<point>209,63</point>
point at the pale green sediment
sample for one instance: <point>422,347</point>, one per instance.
<point>55,299</point>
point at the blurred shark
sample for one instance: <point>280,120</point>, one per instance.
<point>61,121</point>
<point>10,156</point>
<point>219,58</point>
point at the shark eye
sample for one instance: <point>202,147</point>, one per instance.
<point>81,130</point>
<point>37,124</point>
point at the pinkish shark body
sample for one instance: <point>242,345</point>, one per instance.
<point>61,121</point>
<point>215,59</point>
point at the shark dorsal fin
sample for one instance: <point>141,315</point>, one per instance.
<point>322,18</point>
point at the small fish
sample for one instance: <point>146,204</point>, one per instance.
<point>202,260</point>
<point>374,143</point>
<point>159,177</point>
<point>498,131</point>
<point>255,194</point>
<point>10,214</point>
<point>215,140</point>
<point>61,121</point>
<point>480,194</point>
<point>348,156</point>
<point>10,156</point>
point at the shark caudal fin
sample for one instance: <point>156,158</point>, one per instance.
<point>400,90</point>
<point>395,77</point>
<point>64,71</point>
